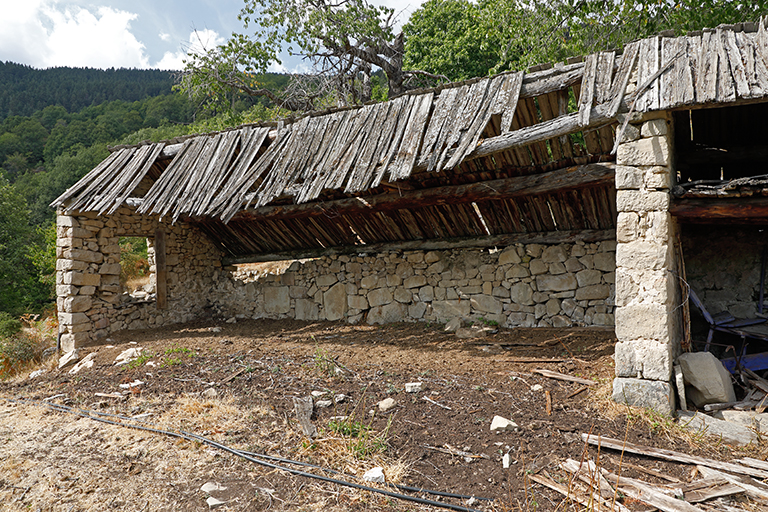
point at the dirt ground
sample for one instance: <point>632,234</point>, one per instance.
<point>56,461</point>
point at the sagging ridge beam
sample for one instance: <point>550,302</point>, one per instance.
<point>551,237</point>
<point>570,178</point>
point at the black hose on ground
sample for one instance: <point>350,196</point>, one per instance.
<point>260,459</point>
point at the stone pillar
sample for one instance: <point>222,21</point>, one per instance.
<point>647,318</point>
<point>77,277</point>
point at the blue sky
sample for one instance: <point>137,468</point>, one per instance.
<point>123,33</point>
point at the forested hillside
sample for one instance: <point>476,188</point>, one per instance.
<point>60,126</point>
<point>24,90</point>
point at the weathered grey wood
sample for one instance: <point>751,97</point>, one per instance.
<point>604,78</point>
<point>506,100</point>
<point>738,70</point>
<point>650,64</point>
<point>462,119</point>
<point>667,82</point>
<point>751,487</point>
<point>709,73</point>
<point>726,92</point>
<point>709,488</point>
<point>572,495</point>
<point>469,137</point>
<point>563,125</point>
<point>161,292</point>
<point>95,183</point>
<point>755,463</point>
<point>138,176</point>
<point>684,458</point>
<point>619,85</point>
<point>303,408</point>
<point>588,89</point>
<point>397,137</point>
<point>647,494</point>
<point>554,237</point>
<point>683,70</point>
<point>406,155</point>
<point>561,376</point>
<point>555,79</point>
<point>444,104</point>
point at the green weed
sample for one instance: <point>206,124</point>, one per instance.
<point>141,360</point>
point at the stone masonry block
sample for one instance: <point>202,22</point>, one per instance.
<point>645,359</point>
<point>641,201</point>
<point>643,255</point>
<point>654,128</point>
<point>277,299</point>
<point>67,221</point>
<point>110,268</point>
<point>656,395</point>
<point>658,177</point>
<point>650,151</point>
<point>380,297</point>
<point>628,178</point>
<point>83,255</point>
<point>643,321</point>
<point>557,283</point>
<point>486,304</point>
<point>77,304</point>
<point>81,279</point>
<point>65,265</point>
<point>73,318</point>
<point>627,226</point>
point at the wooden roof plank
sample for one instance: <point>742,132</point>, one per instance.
<point>709,75</point>
<point>726,92</point>
<point>114,179</point>
<point>605,67</point>
<point>215,174</point>
<point>508,99</point>
<point>361,175</point>
<point>139,175</point>
<point>462,120</point>
<point>397,137</point>
<point>87,181</point>
<point>406,156</point>
<point>668,84</point>
<point>443,105</point>
<point>621,79</point>
<point>738,69</point>
<point>587,95</point>
<point>111,166</point>
<point>468,138</point>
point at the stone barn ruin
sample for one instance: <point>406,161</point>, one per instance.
<point>597,192</point>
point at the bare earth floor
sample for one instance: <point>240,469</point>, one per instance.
<point>55,461</point>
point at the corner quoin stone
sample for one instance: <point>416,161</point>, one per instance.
<point>650,394</point>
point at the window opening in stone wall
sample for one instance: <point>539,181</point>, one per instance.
<point>721,144</point>
<point>136,276</point>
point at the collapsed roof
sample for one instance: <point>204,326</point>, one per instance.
<point>492,158</point>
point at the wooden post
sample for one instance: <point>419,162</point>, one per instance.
<point>160,271</point>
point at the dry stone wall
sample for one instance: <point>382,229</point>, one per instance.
<point>530,285</point>
<point>90,302</point>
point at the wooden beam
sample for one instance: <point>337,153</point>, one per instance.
<point>752,210</point>
<point>570,178</point>
<point>552,237</point>
<point>563,125</point>
<point>160,270</point>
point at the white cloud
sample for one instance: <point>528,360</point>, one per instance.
<point>165,37</point>
<point>199,41</point>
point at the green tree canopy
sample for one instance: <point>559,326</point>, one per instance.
<point>495,35</point>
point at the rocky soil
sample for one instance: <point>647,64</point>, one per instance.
<point>236,384</point>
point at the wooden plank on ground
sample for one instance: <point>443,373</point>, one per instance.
<point>561,376</point>
<point>671,455</point>
<point>752,487</point>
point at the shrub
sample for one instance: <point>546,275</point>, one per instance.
<point>18,350</point>
<point>8,325</point>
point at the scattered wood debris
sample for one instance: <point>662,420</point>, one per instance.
<point>561,376</point>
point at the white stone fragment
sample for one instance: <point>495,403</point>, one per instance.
<point>414,387</point>
<point>375,475</point>
<point>212,487</point>
<point>386,404</point>
<point>322,404</point>
<point>133,384</point>
<point>86,362</point>
<point>210,393</point>
<point>537,387</point>
<point>498,424</point>
<point>36,373</point>
<point>128,355</point>
<point>505,461</point>
<point>69,358</point>
<point>214,503</point>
